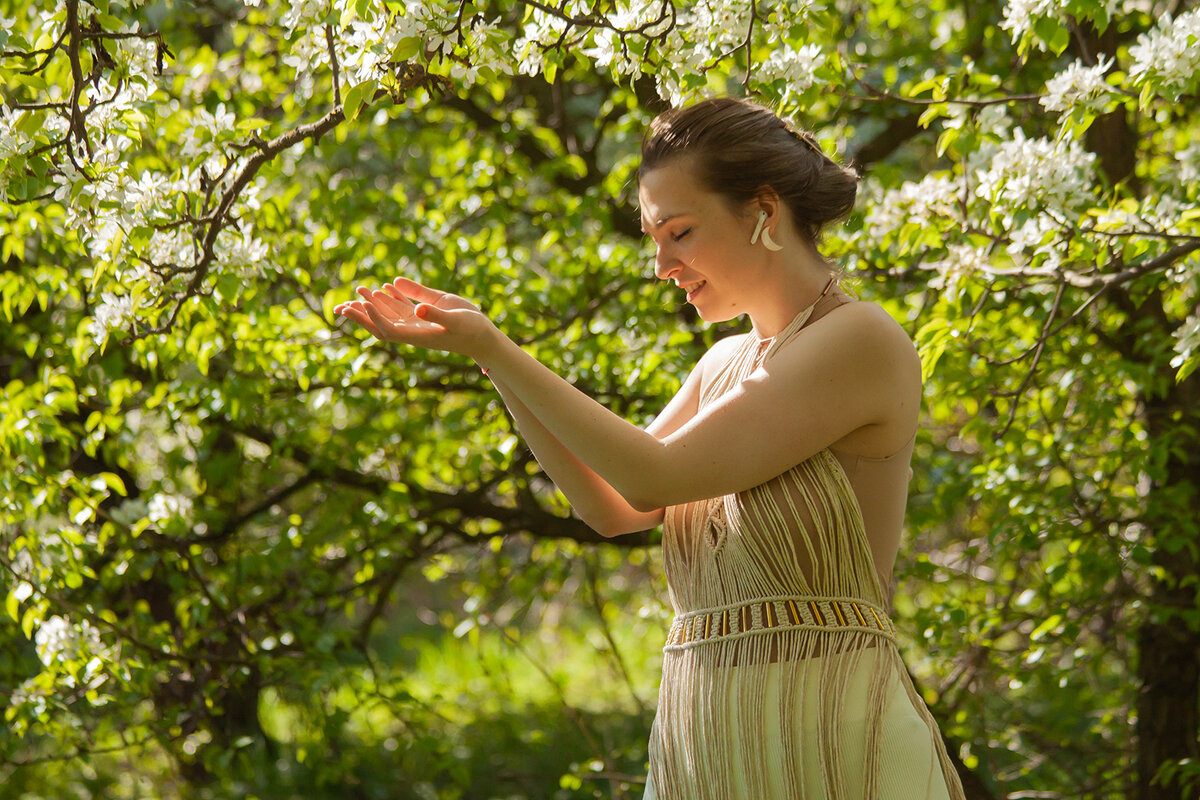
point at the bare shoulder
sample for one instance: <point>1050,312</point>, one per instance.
<point>722,349</point>
<point>716,357</point>
<point>869,335</point>
<point>860,365</point>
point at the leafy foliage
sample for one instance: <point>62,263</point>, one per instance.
<point>244,550</point>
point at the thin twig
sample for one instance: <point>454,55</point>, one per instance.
<point>333,60</point>
<point>1037,357</point>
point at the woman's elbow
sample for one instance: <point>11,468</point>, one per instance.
<point>648,497</point>
<point>643,503</point>
<point>620,524</point>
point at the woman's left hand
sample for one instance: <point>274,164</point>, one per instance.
<point>409,313</point>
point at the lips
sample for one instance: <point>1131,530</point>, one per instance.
<point>694,289</point>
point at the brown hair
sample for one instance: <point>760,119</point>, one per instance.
<point>742,148</point>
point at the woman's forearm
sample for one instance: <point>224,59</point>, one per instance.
<point>621,455</point>
<point>594,501</point>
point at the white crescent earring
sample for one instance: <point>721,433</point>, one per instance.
<point>768,242</point>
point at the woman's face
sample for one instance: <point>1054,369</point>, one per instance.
<point>703,247</point>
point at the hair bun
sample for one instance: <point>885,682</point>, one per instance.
<point>742,147</point>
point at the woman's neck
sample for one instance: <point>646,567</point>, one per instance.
<point>792,286</point>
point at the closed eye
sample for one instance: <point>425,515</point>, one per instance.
<point>681,235</point>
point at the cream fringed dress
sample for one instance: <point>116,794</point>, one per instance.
<point>781,677</point>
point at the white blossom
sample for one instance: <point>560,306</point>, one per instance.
<point>1020,14</point>
<point>66,178</point>
<point>1189,163</point>
<point>950,24</point>
<point>207,126</point>
<point>369,44</point>
<point>11,143</point>
<point>104,235</point>
<point>303,14</point>
<point>1159,215</point>
<point>240,250</point>
<point>31,697</point>
<point>531,58</point>
<point>542,31</point>
<point>61,642</point>
<point>24,565</point>
<point>171,247</point>
<point>608,50</point>
<point>961,261</point>
<point>1035,173</point>
<point>1187,341</point>
<point>797,67</point>
<point>306,55</point>
<point>1163,213</point>
<point>113,312</point>
<point>1078,85</point>
<point>994,119</point>
<point>1032,233</point>
<point>916,202</point>
<point>164,507</point>
<point>51,548</point>
<point>1170,51</point>
<point>58,639</point>
<point>141,57</point>
<point>704,32</point>
<point>1037,236</point>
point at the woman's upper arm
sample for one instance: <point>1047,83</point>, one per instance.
<point>686,402</point>
<point>858,369</point>
<point>677,413</point>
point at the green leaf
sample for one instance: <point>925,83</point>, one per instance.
<point>251,124</point>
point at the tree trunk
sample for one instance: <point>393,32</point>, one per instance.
<point>1168,707</point>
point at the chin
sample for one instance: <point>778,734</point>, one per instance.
<point>712,316</point>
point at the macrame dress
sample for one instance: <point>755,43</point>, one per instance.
<point>781,676</point>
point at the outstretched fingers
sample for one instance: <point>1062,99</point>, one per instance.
<point>357,312</point>
<point>415,291</point>
<point>380,322</point>
<point>400,309</point>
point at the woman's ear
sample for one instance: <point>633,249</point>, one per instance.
<point>766,200</point>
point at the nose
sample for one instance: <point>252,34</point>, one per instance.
<point>665,263</point>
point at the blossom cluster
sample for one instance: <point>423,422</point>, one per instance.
<point>367,45</point>
<point>797,67</point>
<point>703,33</point>
<point>1187,341</point>
<point>165,507</point>
<point>934,197</point>
<point>58,639</point>
<point>1034,239</point>
<point>960,262</point>
<point>610,49</point>
<point>1170,52</point>
<point>113,313</point>
<point>1189,163</point>
<point>1019,15</point>
<point>1034,174</point>
<point>1078,86</point>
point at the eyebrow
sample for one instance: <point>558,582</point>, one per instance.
<point>660,222</point>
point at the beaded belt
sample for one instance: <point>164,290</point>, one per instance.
<point>767,614</point>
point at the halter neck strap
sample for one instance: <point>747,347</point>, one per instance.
<point>793,327</point>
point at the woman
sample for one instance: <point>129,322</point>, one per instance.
<point>779,473</point>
